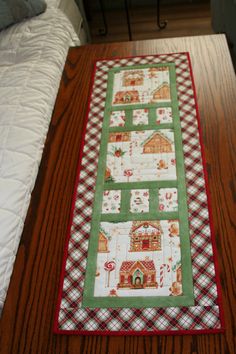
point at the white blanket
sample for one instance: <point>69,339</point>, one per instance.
<point>32,57</point>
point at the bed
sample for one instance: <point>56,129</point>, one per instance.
<point>32,57</point>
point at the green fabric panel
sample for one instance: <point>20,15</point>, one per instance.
<point>141,185</point>
<point>140,106</point>
<point>125,201</point>
<point>152,215</point>
<point>128,121</point>
<point>138,302</point>
<point>153,203</point>
<point>182,194</point>
<point>130,127</point>
<point>187,298</point>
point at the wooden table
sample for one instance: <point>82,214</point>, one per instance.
<point>26,324</point>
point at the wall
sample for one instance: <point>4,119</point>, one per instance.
<point>224,21</point>
<point>118,4</point>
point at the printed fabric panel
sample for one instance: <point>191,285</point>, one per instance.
<point>140,256</point>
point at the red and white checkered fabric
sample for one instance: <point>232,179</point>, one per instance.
<point>205,314</point>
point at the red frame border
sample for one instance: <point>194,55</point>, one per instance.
<point>56,330</point>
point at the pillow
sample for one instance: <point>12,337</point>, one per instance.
<point>12,11</point>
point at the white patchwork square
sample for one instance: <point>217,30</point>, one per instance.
<point>164,115</point>
<point>139,201</point>
<point>140,116</point>
<point>117,119</point>
<point>168,199</point>
<point>111,202</point>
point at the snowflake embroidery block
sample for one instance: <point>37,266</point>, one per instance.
<point>139,265</point>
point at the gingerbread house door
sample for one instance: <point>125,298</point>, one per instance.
<point>146,244</point>
<point>138,279</point>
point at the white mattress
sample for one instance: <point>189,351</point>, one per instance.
<point>32,57</point>
<point>71,10</point>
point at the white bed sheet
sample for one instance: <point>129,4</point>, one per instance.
<point>32,57</point>
<point>71,10</point>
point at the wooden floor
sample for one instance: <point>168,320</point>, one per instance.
<point>187,19</point>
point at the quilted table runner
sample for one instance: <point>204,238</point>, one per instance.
<point>139,257</point>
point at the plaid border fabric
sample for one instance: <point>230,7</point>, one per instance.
<point>205,315</point>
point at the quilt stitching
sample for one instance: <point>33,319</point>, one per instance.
<point>205,313</point>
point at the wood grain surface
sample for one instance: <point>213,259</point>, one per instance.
<point>27,319</point>
<point>184,19</point>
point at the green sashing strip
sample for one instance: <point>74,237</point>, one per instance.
<point>187,299</point>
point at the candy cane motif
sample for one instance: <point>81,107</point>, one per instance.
<point>162,273</point>
<point>109,267</point>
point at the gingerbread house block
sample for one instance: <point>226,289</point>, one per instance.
<point>157,143</point>
<point>126,97</point>
<point>137,275</point>
<point>133,78</point>
<point>161,93</point>
<point>145,236</point>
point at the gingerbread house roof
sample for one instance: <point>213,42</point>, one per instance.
<point>133,73</point>
<point>153,135</point>
<point>102,233</point>
<point>137,224</point>
<point>127,265</point>
<point>159,68</point>
<point>164,84</point>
